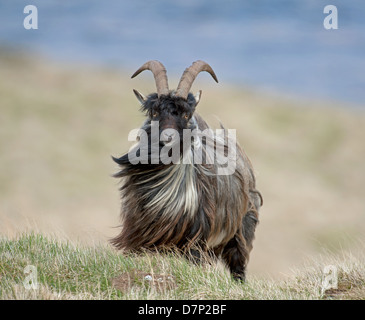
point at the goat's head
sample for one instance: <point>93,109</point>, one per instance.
<point>172,109</point>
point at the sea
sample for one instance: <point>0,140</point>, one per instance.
<point>278,46</point>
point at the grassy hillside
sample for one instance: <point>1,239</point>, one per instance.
<point>61,123</point>
<point>68,271</point>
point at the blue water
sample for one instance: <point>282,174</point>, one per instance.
<point>278,45</point>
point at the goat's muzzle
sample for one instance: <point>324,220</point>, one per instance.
<point>169,136</point>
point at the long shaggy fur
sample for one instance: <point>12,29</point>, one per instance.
<point>186,205</point>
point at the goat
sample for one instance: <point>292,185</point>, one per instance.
<point>185,205</point>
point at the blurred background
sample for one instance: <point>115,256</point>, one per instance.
<point>293,90</point>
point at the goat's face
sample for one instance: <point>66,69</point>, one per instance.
<point>172,114</point>
<point>171,110</point>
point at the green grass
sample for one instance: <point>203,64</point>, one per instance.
<point>69,271</point>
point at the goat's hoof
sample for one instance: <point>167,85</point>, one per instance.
<point>239,278</point>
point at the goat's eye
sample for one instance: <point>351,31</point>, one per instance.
<point>155,114</point>
<point>186,116</point>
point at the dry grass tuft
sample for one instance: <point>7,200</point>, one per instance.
<point>71,271</point>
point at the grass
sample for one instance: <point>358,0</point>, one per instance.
<point>69,271</point>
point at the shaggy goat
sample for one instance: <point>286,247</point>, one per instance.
<point>186,205</point>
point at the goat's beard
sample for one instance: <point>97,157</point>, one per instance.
<point>194,147</point>
<point>156,154</point>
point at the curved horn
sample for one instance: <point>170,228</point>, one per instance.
<point>189,76</point>
<point>159,72</point>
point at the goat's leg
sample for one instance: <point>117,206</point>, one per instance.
<point>200,255</point>
<point>194,255</point>
<point>235,255</point>
<point>249,223</point>
<point>251,218</point>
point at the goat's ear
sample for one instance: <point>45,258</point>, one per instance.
<point>197,97</point>
<point>141,98</point>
